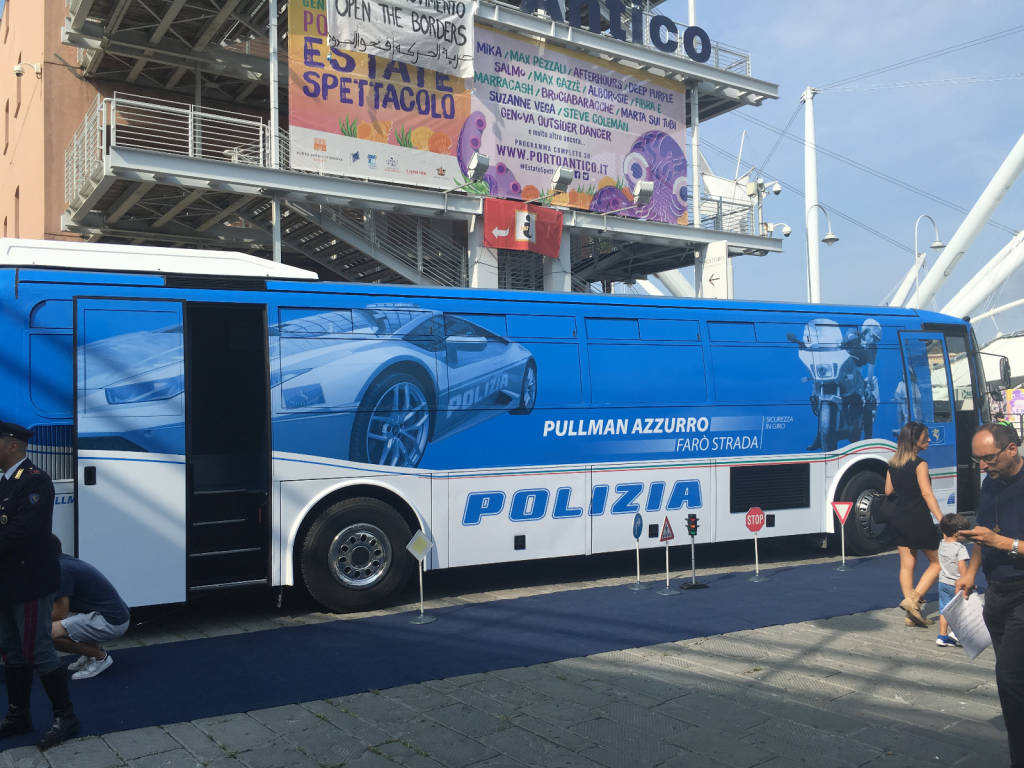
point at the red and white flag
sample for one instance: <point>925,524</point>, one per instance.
<point>520,226</point>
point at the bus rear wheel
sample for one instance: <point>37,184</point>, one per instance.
<point>354,554</point>
<point>864,537</point>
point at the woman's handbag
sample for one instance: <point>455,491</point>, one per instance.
<point>884,509</point>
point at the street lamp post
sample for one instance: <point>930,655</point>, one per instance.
<point>813,268</point>
<point>913,276</point>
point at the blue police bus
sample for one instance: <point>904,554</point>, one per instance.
<point>212,419</point>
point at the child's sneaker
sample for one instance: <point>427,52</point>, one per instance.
<point>945,641</point>
<point>953,637</point>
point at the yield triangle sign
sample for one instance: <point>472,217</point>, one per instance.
<point>842,510</point>
<point>666,531</point>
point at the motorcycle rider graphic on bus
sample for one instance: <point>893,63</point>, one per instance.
<point>844,393</point>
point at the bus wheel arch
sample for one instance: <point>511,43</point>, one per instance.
<point>860,484</point>
<point>349,551</point>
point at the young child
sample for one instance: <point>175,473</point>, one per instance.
<point>953,559</point>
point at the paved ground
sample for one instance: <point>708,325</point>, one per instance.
<point>859,690</point>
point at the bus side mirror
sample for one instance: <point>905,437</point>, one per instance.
<point>1004,372</point>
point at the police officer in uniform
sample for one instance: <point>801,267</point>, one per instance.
<point>29,577</point>
<point>997,549</point>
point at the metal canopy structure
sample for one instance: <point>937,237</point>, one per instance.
<point>182,170</point>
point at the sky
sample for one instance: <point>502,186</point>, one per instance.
<point>921,124</point>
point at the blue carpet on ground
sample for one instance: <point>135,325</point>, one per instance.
<point>192,679</point>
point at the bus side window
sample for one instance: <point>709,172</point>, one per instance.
<point>551,340</point>
<point>646,374</point>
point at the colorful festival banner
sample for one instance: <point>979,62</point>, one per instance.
<point>530,108</point>
<point>436,34</point>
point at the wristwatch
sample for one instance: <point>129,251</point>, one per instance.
<point>1013,549</point>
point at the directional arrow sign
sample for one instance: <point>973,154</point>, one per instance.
<point>666,531</point>
<point>755,519</point>
<point>712,272</point>
<point>500,232</point>
<point>638,526</point>
<point>842,510</point>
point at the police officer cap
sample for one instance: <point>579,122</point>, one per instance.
<point>7,429</point>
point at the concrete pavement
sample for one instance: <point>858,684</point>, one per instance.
<point>858,690</point>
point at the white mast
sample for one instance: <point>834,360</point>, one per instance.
<point>987,279</point>
<point>811,199</point>
<point>976,218</point>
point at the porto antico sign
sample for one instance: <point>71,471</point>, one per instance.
<point>664,33</point>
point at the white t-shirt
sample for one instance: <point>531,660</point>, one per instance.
<point>951,553</point>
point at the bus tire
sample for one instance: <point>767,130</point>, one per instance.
<point>354,554</point>
<point>528,392</point>
<point>863,537</point>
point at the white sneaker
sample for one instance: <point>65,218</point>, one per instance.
<point>78,663</point>
<point>93,667</point>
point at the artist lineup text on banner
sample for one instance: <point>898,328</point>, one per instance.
<point>530,108</point>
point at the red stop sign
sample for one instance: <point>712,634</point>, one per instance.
<point>755,519</point>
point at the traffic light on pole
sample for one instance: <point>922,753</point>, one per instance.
<point>691,524</point>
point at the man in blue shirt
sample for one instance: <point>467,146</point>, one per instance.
<point>997,550</point>
<point>86,612</point>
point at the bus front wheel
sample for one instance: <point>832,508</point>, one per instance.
<point>863,537</point>
<point>354,554</point>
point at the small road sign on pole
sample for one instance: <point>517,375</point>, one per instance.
<point>842,510</point>
<point>419,545</point>
<point>755,519</point>
<point>666,536</point>
<point>691,528</point>
<point>638,529</point>
<point>755,522</point>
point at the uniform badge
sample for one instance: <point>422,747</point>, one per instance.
<point>17,475</point>
<point>3,519</point>
<point>33,498</point>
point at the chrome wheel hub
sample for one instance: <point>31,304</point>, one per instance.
<point>359,556</point>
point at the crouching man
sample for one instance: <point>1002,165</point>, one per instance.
<point>87,612</point>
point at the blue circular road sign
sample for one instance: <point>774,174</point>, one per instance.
<point>638,526</point>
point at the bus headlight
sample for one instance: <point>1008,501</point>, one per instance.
<point>145,391</point>
<point>826,370</point>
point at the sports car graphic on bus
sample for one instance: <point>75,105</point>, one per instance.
<point>373,385</point>
<point>399,377</point>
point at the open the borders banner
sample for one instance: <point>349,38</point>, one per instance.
<point>436,34</point>
<point>530,108</point>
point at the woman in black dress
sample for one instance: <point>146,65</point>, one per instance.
<point>917,514</point>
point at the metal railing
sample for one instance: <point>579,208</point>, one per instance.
<point>728,216</point>
<point>182,129</point>
<point>83,157</point>
<point>409,239</point>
